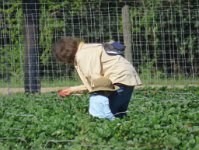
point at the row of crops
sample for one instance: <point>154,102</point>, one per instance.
<point>157,119</point>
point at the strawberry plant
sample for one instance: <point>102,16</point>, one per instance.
<point>157,119</point>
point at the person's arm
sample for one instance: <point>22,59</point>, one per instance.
<point>89,65</point>
<point>73,90</point>
<point>77,89</point>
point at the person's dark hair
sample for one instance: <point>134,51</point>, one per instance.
<point>64,49</point>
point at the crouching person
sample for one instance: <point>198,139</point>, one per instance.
<point>92,61</point>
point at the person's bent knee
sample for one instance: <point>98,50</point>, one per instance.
<point>99,107</point>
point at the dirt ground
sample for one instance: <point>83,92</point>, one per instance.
<point>9,91</point>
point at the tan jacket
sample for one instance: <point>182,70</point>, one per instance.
<point>91,62</point>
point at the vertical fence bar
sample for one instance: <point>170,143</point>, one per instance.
<point>127,33</point>
<point>31,53</point>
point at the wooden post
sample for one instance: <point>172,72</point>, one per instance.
<point>127,33</point>
<point>31,48</point>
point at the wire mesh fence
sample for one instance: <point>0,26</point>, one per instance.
<point>164,38</point>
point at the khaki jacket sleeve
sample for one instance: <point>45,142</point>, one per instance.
<point>78,89</point>
<point>95,68</point>
<point>83,78</point>
<point>89,66</point>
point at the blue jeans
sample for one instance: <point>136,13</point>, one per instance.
<point>99,106</point>
<point>119,100</point>
<point>115,105</point>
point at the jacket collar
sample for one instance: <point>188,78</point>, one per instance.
<point>80,46</point>
<point>78,49</point>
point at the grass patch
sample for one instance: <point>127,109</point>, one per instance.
<point>64,82</point>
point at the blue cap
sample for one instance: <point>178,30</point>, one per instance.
<point>118,46</point>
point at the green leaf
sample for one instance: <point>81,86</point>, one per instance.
<point>172,141</point>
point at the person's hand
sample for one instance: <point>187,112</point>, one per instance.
<point>65,92</point>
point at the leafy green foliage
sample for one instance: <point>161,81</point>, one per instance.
<point>157,119</point>
<point>11,29</point>
<point>167,30</point>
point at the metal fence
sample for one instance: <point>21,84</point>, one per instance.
<point>164,39</point>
